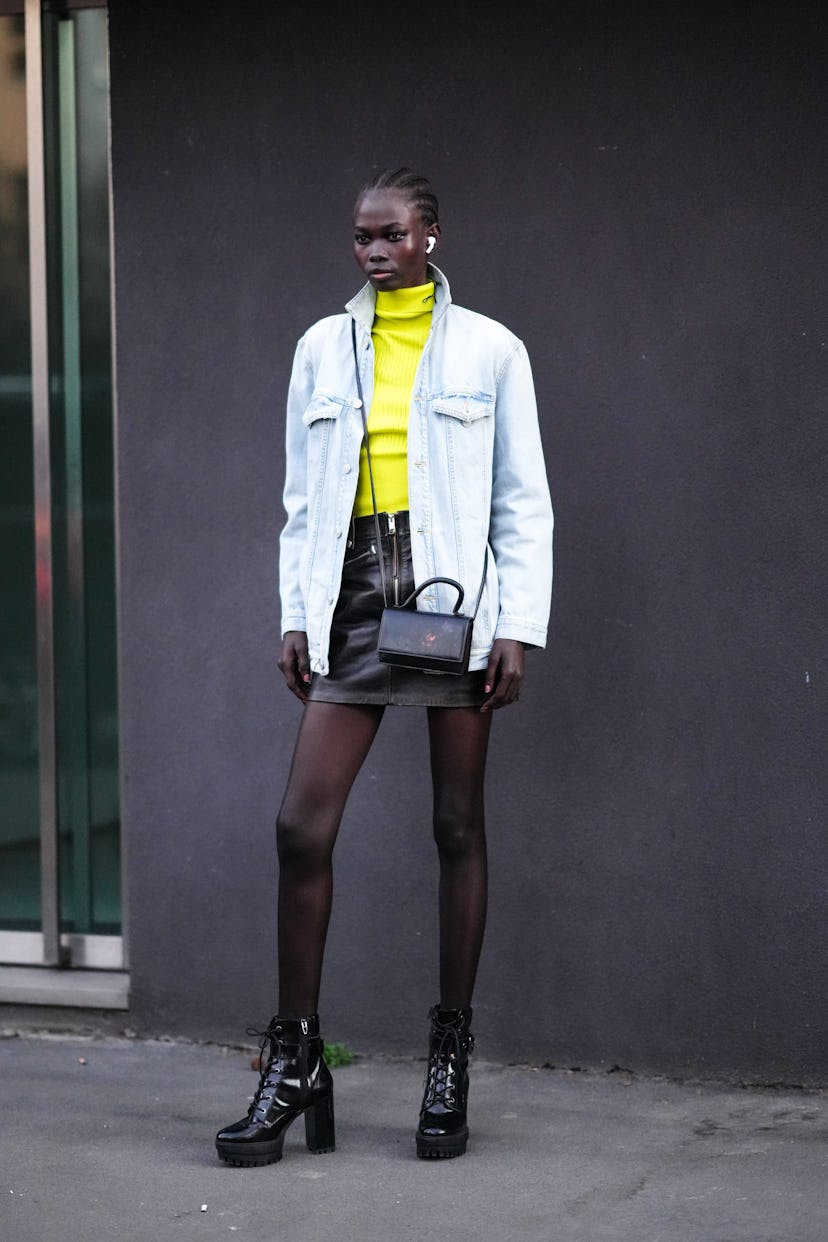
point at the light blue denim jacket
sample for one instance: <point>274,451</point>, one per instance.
<point>476,474</point>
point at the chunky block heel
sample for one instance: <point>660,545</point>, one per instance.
<point>320,1134</point>
<point>294,1079</point>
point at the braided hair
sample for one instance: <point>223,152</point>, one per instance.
<point>416,188</point>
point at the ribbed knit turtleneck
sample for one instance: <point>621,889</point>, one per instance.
<point>402,319</point>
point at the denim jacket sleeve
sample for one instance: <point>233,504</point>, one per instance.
<point>521,524</point>
<point>295,498</point>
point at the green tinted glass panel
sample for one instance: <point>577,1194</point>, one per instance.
<point>75,63</point>
<point>19,812</point>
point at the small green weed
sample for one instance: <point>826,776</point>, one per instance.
<point>337,1055</point>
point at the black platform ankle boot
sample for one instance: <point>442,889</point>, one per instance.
<point>294,1079</point>
<point>442,1131</point>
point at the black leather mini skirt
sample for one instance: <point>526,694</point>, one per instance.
<point>356,674</point>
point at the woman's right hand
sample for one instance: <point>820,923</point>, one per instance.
<point>294,663</point>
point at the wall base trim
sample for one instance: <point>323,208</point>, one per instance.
<point>76,989</point>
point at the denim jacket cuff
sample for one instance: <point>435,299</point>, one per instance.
<point>527,632</point>
<point>294,621</point>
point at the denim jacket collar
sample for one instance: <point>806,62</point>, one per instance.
<point>362,305</point>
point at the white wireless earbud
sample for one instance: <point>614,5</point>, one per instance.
<point>430,244</point>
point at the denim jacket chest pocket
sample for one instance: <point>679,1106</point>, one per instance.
<point>323,405</point>
<point>325,422</point>
<point>462,421</point>
<point>465,405</point>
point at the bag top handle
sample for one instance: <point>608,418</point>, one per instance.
<point>430,582</point>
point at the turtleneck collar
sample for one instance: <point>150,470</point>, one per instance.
<point>405,303</point>
<point>361,306</point>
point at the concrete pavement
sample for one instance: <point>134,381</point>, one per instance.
<point>111,1138</point>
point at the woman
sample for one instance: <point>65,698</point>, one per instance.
<point>457,468</point>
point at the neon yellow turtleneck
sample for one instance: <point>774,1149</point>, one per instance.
<point>402,319</point>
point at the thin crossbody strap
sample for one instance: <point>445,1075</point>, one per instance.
<point>482,581</point>
<point>370,467</point>
<point>374,494</point>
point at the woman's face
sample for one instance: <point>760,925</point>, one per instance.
<point>390,240</point>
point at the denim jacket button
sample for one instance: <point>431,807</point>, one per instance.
<point>357,404</point>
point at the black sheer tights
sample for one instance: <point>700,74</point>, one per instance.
<point>459,738</point>
<point>331,746</point>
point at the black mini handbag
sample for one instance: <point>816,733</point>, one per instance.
<point>436,642</point>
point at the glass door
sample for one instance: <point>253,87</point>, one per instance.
<point>19,740</point>
<point>60,886</point>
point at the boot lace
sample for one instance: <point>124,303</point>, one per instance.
<point>447,1050</point>
<point>270,1039</point>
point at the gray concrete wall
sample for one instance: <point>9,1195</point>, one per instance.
<point>642,200</point>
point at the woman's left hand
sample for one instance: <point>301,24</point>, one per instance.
<point>504,674</point>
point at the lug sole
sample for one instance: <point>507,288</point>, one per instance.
<point>248,1159</point>
<point>252,1155</point>
<point>251,1160</point>
<point>442,1147</point>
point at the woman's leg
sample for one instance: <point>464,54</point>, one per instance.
<point>331,745</point>
<point>459,738</point>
